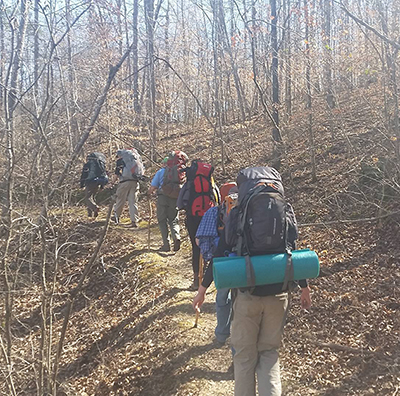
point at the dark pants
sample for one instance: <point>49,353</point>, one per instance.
<point>192,224</point>
<point>91,189</point>
<point>167,215</point>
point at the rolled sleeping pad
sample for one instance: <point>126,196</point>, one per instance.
<point>230,272</point>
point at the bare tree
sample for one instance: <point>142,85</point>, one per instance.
<point>149,14</point>
<point>309,92</point>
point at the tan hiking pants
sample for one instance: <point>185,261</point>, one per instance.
<point>127,191</point>
<point>256,336</point>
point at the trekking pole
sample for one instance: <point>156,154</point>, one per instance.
<point>149,224</point>
<point>200,281</point>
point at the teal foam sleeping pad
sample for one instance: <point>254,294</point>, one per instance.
<point>230,272</point>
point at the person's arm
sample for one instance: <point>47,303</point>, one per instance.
<point>200,297</point>
<point>157,181</point>
<point>305,298</point>
<point>152,189</point>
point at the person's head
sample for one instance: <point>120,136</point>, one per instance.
<point>164,161</point>
<point>226,188</point>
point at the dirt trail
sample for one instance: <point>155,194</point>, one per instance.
<point>169,354</point>
<point>133,334</point>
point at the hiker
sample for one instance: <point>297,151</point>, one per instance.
<point>93,178</point>
<point>261,223</point>
<point>168,182</point>
<point>207,237</point>
<point>197,195</point>
<point>129,170</point>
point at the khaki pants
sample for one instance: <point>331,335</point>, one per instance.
<point>127,191</point>
<point>256,336</point>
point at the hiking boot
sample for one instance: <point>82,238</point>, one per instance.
<point>89,213</point>
<point>195,284</point>
<point>96,213</point>
<point>114,219</point>
<point>134,225</point>
<point>177,245</point>
<point>164,248</point>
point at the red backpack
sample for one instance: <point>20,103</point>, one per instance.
<point>174,177</point>
<point>203,194</point>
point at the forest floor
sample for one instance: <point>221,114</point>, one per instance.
<point>132,329</point>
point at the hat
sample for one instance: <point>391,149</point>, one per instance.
<point>119,153</point>
<point>226,188</point>
<point>165,160</point>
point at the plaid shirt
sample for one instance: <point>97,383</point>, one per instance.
<point>207,233</point>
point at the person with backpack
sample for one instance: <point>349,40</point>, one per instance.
<point>168,182</point>
<point>208,235</point>
<point>129,170</point>
<point>197,195</point>
<point>261,223</point>
<point>93,177</point>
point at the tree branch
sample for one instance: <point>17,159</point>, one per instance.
<point>372,29</point>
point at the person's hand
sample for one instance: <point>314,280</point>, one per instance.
<point>305,298</point>
<point>199,299</point>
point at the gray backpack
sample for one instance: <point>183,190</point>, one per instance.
<point>133,166</point>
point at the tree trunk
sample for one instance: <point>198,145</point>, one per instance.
<point>10,104</point>
<point>217,77</point>
<point>149,15</point>
<point>2,52</point>
<point>308,94</point>
<point>276,134</point>
<point>135,60</point>
<point>225,40</point>
<point>288,69</point>
<point>330,99</point>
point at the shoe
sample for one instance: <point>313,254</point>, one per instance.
<point>114,219</point>
<point>134,225</point>
<point>164,248</point>
<point>195,284</point>
<point>89,213</point>
<point>177,245</point>
<point>218,343</point>
<point>96,213</point>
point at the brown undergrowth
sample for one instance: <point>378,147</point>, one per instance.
<point>131,332</point>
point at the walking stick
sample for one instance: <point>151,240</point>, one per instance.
<point>149,223</point>
<point>200,281</point>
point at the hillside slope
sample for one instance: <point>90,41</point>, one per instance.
<point>131,332</point>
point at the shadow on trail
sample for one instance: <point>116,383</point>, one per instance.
<point>119,335</point>
<point>163,381</point>
<point>186,308</point>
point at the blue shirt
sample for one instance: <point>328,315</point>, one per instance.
<point>207,233</point>
<point>158,178</point>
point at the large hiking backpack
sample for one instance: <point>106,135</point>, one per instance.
<point>96,163</point>
<point>174,177</point>
<point>133,166</point>
<point>228,203</point>
<point>203,194</point>
<point>258,224</point>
